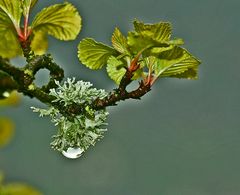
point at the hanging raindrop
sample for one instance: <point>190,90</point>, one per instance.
<point>73,153</point>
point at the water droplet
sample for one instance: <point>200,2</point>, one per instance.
<point>73,153</point>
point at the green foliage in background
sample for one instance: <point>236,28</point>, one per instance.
<point>6,133</point>
<point>6,124</point>
<point>16,188</point>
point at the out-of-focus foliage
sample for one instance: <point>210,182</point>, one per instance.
<point>16,188</point>
<point>12,100</point>
<point>6,131</point>
<point>6,124</point>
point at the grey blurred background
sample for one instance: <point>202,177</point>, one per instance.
<point>183,138</point>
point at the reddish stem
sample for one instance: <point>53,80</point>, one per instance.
<point>25,27</point>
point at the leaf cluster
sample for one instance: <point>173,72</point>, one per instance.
<point>16,188</point>
<point>61,21</point>
<point>157,54</point>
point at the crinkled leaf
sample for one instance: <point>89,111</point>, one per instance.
<point>18,189</point>
<point>156,51</point>
<point>115,69</point>
<point>177,62</point>
<point>61,21</point>
<point>160,32</point>
<point>13,10</point>
<point>6,131</point>
<point>27,6</point>
<point>119,42</point>
<point>94,54</point>
<point>39,43</point>
<point>139,43</point>
<point>151,38</point>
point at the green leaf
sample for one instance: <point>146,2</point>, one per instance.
<point>176,41</point>
<point>160,32</point>
<point>150,62</point>
<point>39,43</point>
<point>94,54</point>
<point>61,21</point>
<point>138,43</point>
<point>6,131</point>
<point>178,63</point>
<point>9,21</point>
<point>33,2</point>
<point>13,10</point>
<point>119,42</point>
<point>9,45</point>
<point>115,69</point>
<point>151,38</point>
<point>18,189</point>
<point>27,5</point>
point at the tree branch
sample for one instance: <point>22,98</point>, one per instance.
<point>23,81</point>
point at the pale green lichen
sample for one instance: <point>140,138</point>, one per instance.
<point>83,129</point>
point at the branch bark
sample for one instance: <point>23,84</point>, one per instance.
<point>22,79</point>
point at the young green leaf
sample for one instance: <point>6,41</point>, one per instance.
<point>61,21</point>
<point>160,32</point>
<point>94,54</point>
<point>176,41</point>
<point>149,36</point>
<point>177,62</point>
<point>13,10</point>
<point>119,42</point>
<point>27,5</point>
<point>10,15</point>
<point>115,69</point>
<point>139,43</point>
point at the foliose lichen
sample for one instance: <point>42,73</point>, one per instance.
<point>83,129</point>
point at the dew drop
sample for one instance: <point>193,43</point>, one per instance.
<point>73,153</point>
